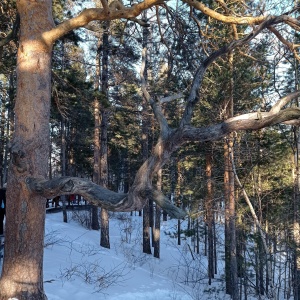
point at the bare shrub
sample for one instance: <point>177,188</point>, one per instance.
<point>92,273</point>
<point>52,238</point>
<point>82,217</point>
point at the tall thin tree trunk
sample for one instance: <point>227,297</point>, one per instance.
<point>230,227</point>
<point>209,211</point>
<point>104,216</point>
<point>145,134</point>
<point>96,167</point>
<point>261,256</point>
<point>232,230</point>
<point>63,165</point>
<point>215,246</point>
<point>178,194</point>
<point>156,229</point>
<point>296,226</point>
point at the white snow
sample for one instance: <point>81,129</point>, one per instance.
<point>77,268</point>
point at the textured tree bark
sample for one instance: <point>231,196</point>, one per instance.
<point>104,216</point>
<point>96,167</point>
<point>145,132</point>
<point>230,214</point>
<point>23,264</point>
<point>95,214</point>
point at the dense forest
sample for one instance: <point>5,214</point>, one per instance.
<point>184,109</point>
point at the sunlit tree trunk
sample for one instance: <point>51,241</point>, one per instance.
<point>230,227</point>
<point>96,167</point>
<point>23,262</point>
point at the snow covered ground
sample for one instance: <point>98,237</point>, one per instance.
<point>77,268</point>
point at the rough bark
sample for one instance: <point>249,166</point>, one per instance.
<point>96,166</point>
<point>104,216</point>
<point>145,133</point>
<point>22,268</point>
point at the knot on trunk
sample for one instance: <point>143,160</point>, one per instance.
<point>18,159</point>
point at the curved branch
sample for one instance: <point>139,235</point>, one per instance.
<point>251,121</point>
<point>66,185</point>
<point>243,20</point>
<point>97,195</point>
<point>160,117</point>
<point>291,46</point>
<point>283,101</point>
<point>115,11</point>
<point>225,19</point>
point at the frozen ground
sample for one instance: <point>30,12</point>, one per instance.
<point>77,268</point>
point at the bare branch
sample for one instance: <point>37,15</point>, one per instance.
<point>292,47</point>
<point>161,119</point>
<point>143,80</point>
<point>243,20</point>
<point>97,195</point>
<point>171,98</point>
<point>283,101</point>
<point>225,19</point>
<point>116,11</point>
<point>251,121</point>
<point>105,5</point>
<point>194,96</point>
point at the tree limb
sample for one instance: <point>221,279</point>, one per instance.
<point>283,101</point>
<point>292,47</point>
<point>161,119</point>
<point>97,195</point>
<point>251,121</point>
<point>171,97</point>
<point>194,96</point>
<point>243,20</point>
<point>116,11</point>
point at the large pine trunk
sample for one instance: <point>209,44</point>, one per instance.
<point>23,262</point>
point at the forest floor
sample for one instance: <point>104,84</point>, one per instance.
<point>77,268</point>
